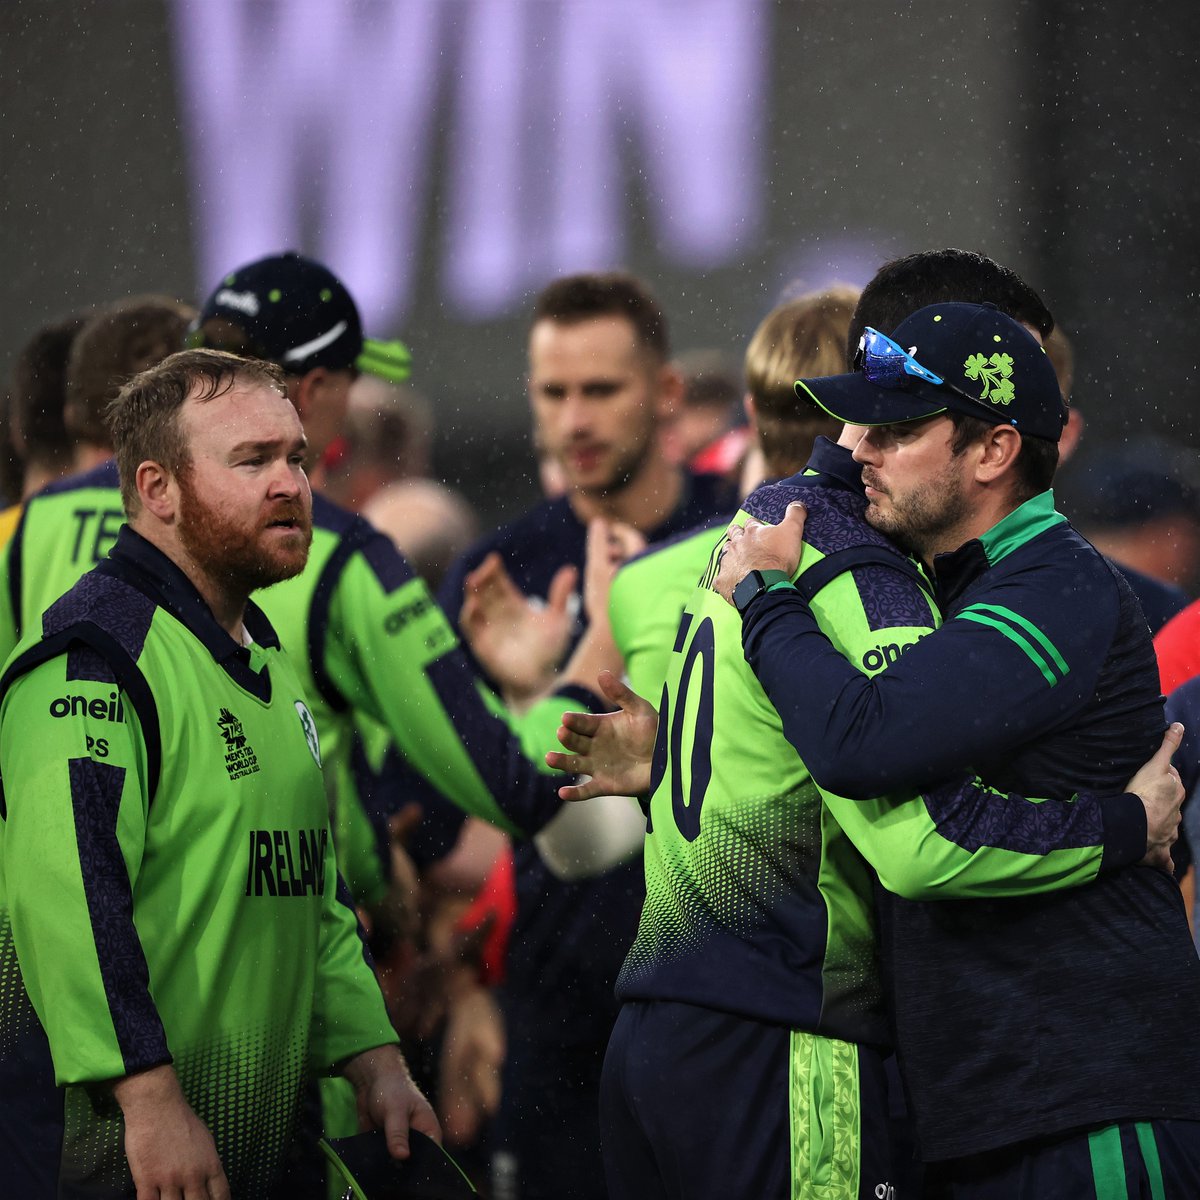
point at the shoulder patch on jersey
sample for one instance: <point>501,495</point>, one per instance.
<point>109,603</point>
<point>387,564</point>
<point>836,519</point>
<point>892,599</point>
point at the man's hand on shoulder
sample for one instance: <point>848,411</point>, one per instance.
<point>759,547</point>
<point>170,1150</point>
<point>388,1099</point>
<point>1159,788</point>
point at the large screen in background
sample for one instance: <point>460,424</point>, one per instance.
<point>504,141</point>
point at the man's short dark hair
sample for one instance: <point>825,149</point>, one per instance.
<point>904,285</point>
<point>118,342</point>
<point>1036,462</point>
<point>576,298</point>
<point>143,418</point>
<point>39,395</point>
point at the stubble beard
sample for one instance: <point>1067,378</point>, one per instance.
<point>626,468</point>
<point>237,556</point>
<point>919,521</point>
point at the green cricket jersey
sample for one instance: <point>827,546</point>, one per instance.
<point>167,873</point>
<point>373,641</point>
<point>646,598</point>
<point>65,530</point>
<point>367,637</point>
<point>758,895</point>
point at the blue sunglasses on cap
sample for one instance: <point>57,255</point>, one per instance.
<point>887,364</point>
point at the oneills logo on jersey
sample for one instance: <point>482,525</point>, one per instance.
<point>286,862</point>
<point>310,731</point>
<point>240,759</point>
<point>882,656</point>
<point>89,706</point>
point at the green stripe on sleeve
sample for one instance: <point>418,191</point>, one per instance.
<point>1149,1149</point>
<point>1015,637</point>
<point>1108,1164</point>
<point>1031,629</point>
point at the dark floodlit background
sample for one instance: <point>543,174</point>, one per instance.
<point>447,157</point>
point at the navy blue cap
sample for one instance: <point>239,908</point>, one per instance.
<point>293,311</point>
<point>992,366</point>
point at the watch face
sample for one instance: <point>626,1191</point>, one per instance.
<point>747,590</point>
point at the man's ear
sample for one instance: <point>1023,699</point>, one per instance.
<point>998,450</point>
<point>1072,432</point>
<point>304,390</point>
<point>670,391</point>
<point>751,411</point>
<point>158,491</point>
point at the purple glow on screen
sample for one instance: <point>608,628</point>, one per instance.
<point>316,123</point>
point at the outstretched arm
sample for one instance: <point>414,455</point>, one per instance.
<point>964,839</point>
<point>615,749</point>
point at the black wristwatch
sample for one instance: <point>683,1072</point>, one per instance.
<point>753,586</point>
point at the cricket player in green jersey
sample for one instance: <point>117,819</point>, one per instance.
<point>169,893</point>
<point>755,959</point>
<point>363,630</point>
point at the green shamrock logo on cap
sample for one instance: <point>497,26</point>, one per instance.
<point>996,373</point>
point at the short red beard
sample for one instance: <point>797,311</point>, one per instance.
<point>237,556</point>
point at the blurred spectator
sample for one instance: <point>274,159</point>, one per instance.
<point>430,523</point>
<point>1160,600</point>
<point>119,341</point>
<point>10,469</point>
<point>707,432</point>
<point>35,449</point>
<point>1134,503</point>
<point>38,400</point>
<point>386,437</point>
<point>601,384</point>
<point>64,532</point>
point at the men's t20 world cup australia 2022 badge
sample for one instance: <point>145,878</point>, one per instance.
<point>240,759</point>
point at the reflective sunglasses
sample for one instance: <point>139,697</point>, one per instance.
<point>887,364</point>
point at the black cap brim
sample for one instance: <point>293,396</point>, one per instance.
<point>856,401</point>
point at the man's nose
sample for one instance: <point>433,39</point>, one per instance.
<point>286,478</point>
<point>866,451</point>
<point>576,411</point>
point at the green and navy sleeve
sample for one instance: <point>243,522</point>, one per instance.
<point>349,1014</point>
<point>960,838</point>
<point>994,675</point>
<point>74,771</point>
<point>389,651</point>
<point>966,840</point>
